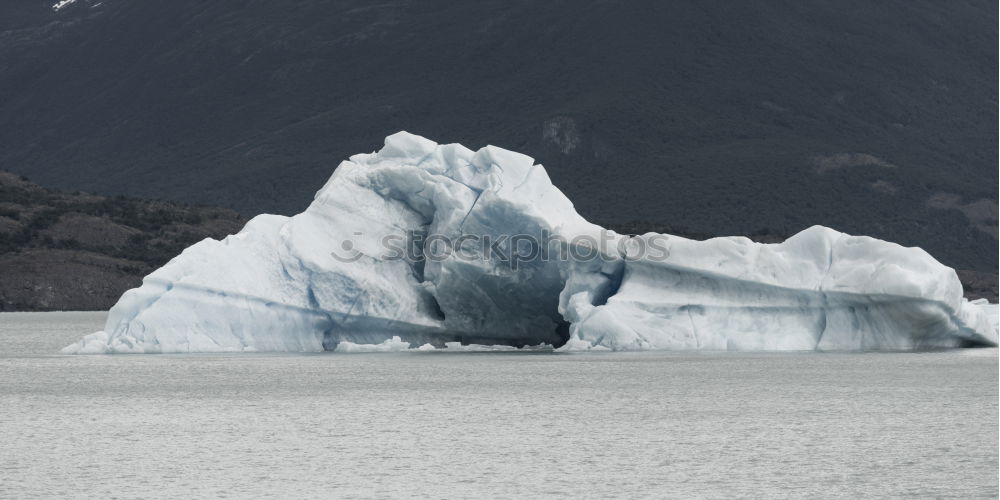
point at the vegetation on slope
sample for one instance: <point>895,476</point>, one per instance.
<point>72,251</point>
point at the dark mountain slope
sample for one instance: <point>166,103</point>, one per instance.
<point>876,118</point>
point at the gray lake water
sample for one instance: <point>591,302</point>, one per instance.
<point>509,425</point>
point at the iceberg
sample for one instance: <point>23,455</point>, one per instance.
<point>439,246</point>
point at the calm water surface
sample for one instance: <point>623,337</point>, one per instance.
<point>489,424</point>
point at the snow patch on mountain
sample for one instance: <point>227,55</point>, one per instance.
<point>62,4</point>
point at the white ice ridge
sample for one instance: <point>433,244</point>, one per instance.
<point>331,278</point>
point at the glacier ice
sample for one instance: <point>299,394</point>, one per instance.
<point>820,289</point>
<point>395,344</point>
<point>353,273</point>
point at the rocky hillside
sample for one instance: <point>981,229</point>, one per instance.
<point>79,251</point>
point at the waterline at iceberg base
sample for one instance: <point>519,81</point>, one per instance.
<point>323,278</point>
